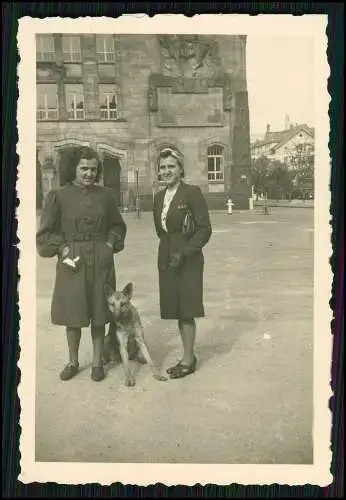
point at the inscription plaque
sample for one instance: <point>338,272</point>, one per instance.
<point>190,109</point>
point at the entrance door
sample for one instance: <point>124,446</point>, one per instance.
<point>111,175</point>
<point>65,172</point>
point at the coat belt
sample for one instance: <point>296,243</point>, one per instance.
<point>86,237</point>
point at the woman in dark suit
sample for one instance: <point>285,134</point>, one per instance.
<point>182,223</point>
<point>81,225</point>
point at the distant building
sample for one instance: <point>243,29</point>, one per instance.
<point>129,96</point>
<point>282,145</point>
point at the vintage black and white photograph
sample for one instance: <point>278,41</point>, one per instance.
<point>176,286</point>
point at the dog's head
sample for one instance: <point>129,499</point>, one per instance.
<point>118,301</point>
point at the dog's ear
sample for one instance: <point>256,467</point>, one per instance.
<point>128,290</point>
<point>108,290</point>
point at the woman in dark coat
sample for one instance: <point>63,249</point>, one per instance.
<point>81,225</point>
<point>182,223</point>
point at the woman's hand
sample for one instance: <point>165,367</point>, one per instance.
<point>109,244</point>
<point>64,251</point>
<point>176,260</point>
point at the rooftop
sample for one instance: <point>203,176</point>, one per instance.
<point>278,138</point>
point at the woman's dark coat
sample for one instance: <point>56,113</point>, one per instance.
<point>84,219</point>
<point>181,289</point>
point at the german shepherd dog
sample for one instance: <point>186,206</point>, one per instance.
<point>126,334</point>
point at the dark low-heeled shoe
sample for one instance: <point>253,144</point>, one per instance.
<point>173,369</point>
<point>97,373</point>
<point>184,370</point>
<point>69,372</point>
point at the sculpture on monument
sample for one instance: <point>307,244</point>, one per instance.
<point>188,55</point>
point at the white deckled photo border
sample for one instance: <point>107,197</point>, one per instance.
<point>184,474</point>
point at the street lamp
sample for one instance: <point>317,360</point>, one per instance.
<point>265,207</point>
<point>138,208</point>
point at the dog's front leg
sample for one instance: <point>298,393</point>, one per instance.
<point>122,337</point>
<point>144,350</point>
<point>111,348</point>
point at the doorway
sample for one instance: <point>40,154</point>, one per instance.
<point>111,175</point>
<point>65,172</point>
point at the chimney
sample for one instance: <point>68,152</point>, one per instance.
<point>268,130</point>
<point>287,122</point>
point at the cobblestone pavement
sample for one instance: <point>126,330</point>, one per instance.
<point>250,400</point>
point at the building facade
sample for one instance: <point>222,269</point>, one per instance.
<point>283,145</point>
<point>128,96</point>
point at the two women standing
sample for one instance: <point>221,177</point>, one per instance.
<point>82,226</point>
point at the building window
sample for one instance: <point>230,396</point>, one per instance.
<point>45,50</point>
<point>215,163</point>
<point>47,102</point>
<point>75,101</point>
<point>108,102</point>
<point>105,49</point>
<point>71,49</point>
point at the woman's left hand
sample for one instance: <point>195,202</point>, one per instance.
<point>176,260</point>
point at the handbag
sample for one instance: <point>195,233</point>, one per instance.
<point>189,224</point>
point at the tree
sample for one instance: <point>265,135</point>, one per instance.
<point>280,180</point>
<point>259,172</point>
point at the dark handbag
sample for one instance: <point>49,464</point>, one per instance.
<point>189,224</point>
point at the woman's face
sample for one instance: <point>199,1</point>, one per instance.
<point>86,172</point>
<point>170,170</point>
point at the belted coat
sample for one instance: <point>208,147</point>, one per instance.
<point>83,220</point>
<point>181,290</point>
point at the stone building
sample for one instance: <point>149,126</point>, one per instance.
<point>128,96</point>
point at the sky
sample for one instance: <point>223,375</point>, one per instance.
<point>280,82</point>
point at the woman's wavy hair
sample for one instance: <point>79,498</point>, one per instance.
<point>73,158</point>
<point>168,151</point>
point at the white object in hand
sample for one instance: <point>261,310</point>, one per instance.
<point>71,262</point>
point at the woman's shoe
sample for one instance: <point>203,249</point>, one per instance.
<point>184,370</point>
<point>173,369</point>
<point>69,371</point>
<point>97,373</point>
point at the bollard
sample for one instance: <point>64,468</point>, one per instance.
<point>229,204</point>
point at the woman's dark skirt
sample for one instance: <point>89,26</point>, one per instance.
<point>181,293</point>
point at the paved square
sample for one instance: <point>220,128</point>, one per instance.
<point>250,400</point>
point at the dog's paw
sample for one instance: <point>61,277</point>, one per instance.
<point>129,382</point>
<point>161,378</point>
